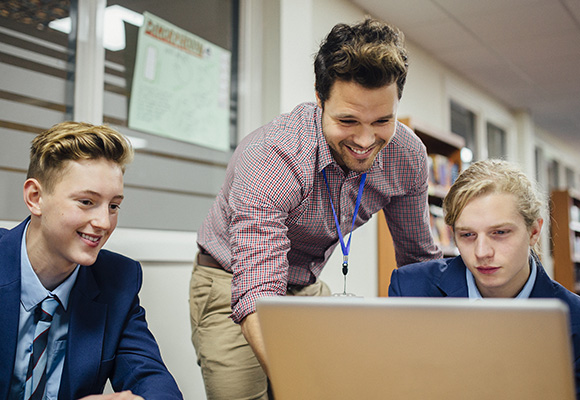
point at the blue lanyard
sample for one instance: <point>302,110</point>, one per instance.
<point>345,248</point>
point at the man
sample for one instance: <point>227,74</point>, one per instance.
<point>289,184</point>
<point>495,213</point>
<point>70,317</point>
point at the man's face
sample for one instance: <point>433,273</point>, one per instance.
<point>79,215</point>
<point>494,242</point>
<point>358,122</point>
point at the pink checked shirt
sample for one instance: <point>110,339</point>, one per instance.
<point>272,223</point>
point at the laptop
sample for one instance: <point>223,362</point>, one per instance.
<point>417,348</point>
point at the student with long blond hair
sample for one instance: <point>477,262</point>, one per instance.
<point>495,212</point>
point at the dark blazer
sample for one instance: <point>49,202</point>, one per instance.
<point>108,336</point>
<point>446,278</point>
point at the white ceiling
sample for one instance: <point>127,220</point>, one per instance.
<point>524,52</point>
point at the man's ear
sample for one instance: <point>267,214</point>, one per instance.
<point>318,101</point>
<point>33,196</point>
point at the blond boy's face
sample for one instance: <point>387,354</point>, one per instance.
<point>80,213</point>
<point>495,243</point>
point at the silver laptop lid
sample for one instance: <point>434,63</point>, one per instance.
<point>417,348</point>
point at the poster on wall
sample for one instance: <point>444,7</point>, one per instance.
<point>181,86</point>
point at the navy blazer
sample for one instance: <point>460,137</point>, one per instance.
<point>108,336</point>
<point>446,278</point>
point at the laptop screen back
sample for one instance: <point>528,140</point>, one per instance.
<point>409,348</point>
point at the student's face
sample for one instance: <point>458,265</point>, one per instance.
<point>495,243</point>
<point>80,213</point>
<point>358,122</point>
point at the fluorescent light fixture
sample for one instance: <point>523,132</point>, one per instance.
<point>62,25</point>
<point>114,27</point>
<point>137,143</point>
<point>114,30</point>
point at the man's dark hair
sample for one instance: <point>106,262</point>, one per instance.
<point>370,53</point>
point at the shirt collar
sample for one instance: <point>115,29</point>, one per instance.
<point>33,292</point>
<point>473,292</point>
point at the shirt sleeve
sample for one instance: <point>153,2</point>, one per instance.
<point>266,186</point>
<point>408,220</point>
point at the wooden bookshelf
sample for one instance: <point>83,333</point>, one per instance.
<point>441,145</point>
<point>565,235</point>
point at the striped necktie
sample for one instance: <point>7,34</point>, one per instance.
<point>36,376</point>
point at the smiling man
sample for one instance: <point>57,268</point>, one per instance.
<point>294,188</point>
<point>70,317</point>
<point>495,212</point>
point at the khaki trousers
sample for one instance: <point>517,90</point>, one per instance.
<point>229,367</point>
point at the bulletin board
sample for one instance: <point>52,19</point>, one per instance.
<point>181,86</point>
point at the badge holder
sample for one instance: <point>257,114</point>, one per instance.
<point>344,272</point>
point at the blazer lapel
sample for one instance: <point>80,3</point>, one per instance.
<point>453,282</point>
<point>10,244</point>
<point>85,337</point>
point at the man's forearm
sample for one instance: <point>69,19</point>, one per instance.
<point>251,331</point>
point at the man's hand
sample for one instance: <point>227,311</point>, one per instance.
<point>126,395</point>
<point>251,330</point>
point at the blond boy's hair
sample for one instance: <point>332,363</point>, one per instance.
<point>73,141</point>
<point>493,176</point>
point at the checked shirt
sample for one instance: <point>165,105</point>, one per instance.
<point>272,225</point>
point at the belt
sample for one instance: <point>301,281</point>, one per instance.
<point>205,260</point>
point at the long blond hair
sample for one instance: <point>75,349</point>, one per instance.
<point>494,176</point>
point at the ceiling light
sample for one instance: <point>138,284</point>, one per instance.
<point>114,29</point>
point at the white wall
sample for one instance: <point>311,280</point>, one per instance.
<point>165,297</point>
<point>430,87</point>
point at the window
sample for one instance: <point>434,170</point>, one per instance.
<point>175,176</point>
<point>212,20</point>
<point>463,124</point>
<point>177,179</point>
<point>496,141</point>
<point>570,178</point>
<point>35,89</point>
<point>539,161</point>
<point>553,175</point>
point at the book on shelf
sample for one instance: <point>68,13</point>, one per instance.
<point>576,249</point>
<point>575,218</point>
<point>442,233</point>
<point>442,173</point>
<point>574,213</point>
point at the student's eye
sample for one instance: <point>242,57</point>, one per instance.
<point>115,207</point>
<point>382,122</point>
<point>466,235</point>
<point>501,232</point>
<point>86,202</point>
<point>347,121</point>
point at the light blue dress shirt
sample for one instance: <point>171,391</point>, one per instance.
<point>473,292</point>
<point>33,293</point>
